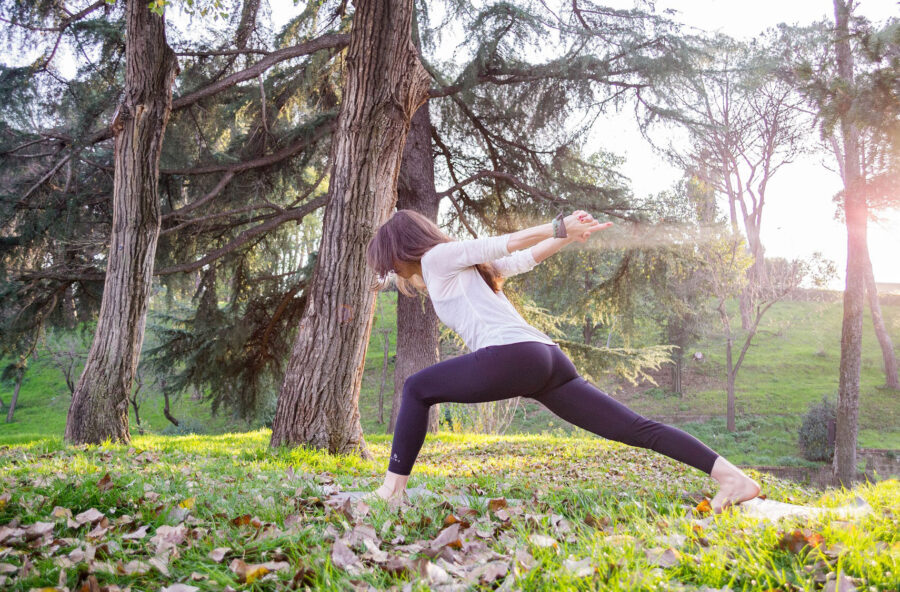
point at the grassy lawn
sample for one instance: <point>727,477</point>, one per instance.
<point>582,514</point>
<point>792,363</point>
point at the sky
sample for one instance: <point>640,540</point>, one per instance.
<point>799,213</point>
<point>798,218</point>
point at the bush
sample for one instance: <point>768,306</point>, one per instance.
<point>813,433</point>
<point>185,427</point>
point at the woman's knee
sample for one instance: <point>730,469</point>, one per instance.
<point>415,387</point>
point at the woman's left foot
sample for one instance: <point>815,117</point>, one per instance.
<point>382,493</point>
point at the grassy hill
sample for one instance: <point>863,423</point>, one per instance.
<point>793,363</point>
<point>537,513</point>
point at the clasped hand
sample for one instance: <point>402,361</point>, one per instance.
<point>580,225</point>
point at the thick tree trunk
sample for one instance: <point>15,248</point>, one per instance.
<point>99,408</point>
<point>854,292</point>
<point>884,338</point>
<point>384,85</point>
<point>417,323</point>
<point>15,397</point>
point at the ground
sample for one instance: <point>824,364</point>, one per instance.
<point>544,513</point>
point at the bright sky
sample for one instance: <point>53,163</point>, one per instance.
<point>799,215</point>
<point>798,218</point>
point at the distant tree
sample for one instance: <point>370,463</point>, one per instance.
<point>848,72</point>
<point>66,351</point>
<point>679,280</point>
<point>743,125</point>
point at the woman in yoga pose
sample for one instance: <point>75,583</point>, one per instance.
<point>508,357</point>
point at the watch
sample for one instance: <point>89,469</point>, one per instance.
<point>559,227</point>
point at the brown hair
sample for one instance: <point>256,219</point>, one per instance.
<point>406,236</point>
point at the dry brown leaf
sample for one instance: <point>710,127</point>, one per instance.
<point>841,584</point>
<point>448,536</point>
<point>38,530</point>
<point>218,554</point>
<point>342,556</point>
<point>663,557</point>
<point>88,516</point>
<point>703,507</point>
<point>105,483</point>
<point>137,534</point>
<point>496,504</point>
<point>543,541</point>
<point>179,588</point>
<point>796,540</point>
<point>581,568</point>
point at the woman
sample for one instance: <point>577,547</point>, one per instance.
<point>508,357</point>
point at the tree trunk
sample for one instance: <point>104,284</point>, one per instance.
<point>384,85</point>
<point>729,366</point>
<point>884,338</point>
<point>732,377</point>
<point>166,412</point>
<point>99,408</point>
<point>15,397</point>
<point>384,370</point>
<point>678,371</point>
<point>854,292</point>
<point>417,322</point>
<point>757,279</point>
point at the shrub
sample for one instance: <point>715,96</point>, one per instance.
<point>185,427</point>
<point>813,435</point>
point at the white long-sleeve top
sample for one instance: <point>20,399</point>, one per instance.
<point>464,301</point>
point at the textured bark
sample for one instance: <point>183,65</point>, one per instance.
<point>99,407</point>
<point>417,322</point>
<point>854,292</point>
<point>884,338</point>
<point>384,85</point>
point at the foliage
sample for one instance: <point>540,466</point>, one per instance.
<point>813,434</point>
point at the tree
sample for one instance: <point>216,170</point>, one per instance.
<point>743,125</point>
<point>99,407</point>
<point>848,75</point>
<point>384,86</point>
<point>241,165</point>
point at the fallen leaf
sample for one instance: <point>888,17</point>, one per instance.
<point>703,507</point>
<point>342,556</point>
<point>496,504</point>
<point>179,588</point>
<point>88,516</point>
<point>841,584</point>
<point>218,554</point>
<point>663,557</point>
<point>448,536</point>
<point>540,540</point>
<point>580,569</point>
<point>105,483</point>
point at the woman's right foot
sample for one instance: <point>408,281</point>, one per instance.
<point>736,487</point>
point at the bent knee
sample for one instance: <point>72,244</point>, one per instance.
<point>415,387</point>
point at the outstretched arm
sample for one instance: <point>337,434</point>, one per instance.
<point>453,256</point>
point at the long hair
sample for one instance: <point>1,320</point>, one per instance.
<point>406,236</point>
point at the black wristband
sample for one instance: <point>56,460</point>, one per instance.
<point>559,228</point>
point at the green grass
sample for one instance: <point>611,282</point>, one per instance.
<point>792,363</point>
<point>638,496</point>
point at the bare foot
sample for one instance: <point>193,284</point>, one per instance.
<point>736,487</point>
<point>394,498</point>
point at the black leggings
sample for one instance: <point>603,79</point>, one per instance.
<point>544,373</point>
